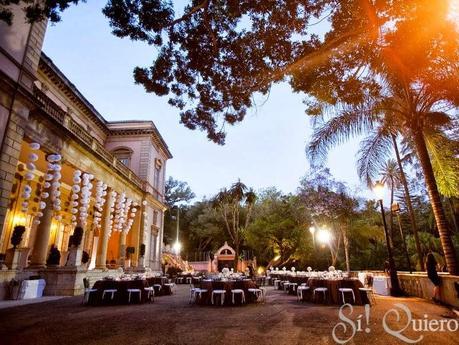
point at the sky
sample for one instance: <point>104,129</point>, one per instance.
<point>266,149</point>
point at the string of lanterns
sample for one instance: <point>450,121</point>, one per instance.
<point>85,197</point>
<point>30,165</point>
<point>54,176</point>
<point>101,192</point>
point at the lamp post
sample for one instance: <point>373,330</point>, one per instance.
<point>395,208</point>
<point>177,245</point>
<point>378,189</point>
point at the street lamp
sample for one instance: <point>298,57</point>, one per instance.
<point>324,236</point>
<point>378,189</point>
<point>395,208</point>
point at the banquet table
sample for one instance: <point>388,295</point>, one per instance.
<point>164,290</point>
<point>122,294</point>
<point>31,289</point>
<point>334,296</point>
<point>381,285</point>
<point>228,286</point>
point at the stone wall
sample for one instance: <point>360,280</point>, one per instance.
<point>419,285</point>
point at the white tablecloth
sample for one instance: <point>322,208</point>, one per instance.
<point>32,288</point>
<point>381,285</point>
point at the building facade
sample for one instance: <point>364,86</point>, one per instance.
<point>63,166</point>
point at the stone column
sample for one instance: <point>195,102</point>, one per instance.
<point>40,246</point>
<point>122,248</point>
<point>105,231</point>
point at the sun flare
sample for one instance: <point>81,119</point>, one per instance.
<point>453,11</point>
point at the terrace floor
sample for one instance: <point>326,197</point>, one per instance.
<point>171,320</point>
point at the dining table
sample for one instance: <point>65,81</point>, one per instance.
<point>333,286</point>
<point>227,285</point>
<point>122,295</point>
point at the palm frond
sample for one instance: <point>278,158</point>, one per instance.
<point>349,123</point>
<point>373,152</point>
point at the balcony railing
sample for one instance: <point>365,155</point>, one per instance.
<point>59,115</point>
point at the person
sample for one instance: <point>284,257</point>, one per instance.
<point>431,266</point>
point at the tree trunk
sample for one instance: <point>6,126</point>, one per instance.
<point>236,258</point>
<point>391,214</point>
<point>434,196</point>
<point>409,205</point>
<point>346,251</point>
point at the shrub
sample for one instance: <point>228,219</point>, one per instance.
<point>54,256</point>
<point>16,238</point>
<point>77,237</point>
<point>129,251</point>
<point>142,250</point>
<point>84,257</point>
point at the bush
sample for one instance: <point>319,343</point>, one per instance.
<point>142,250</point>
<point>84,257</point>
<point>54,256</point>
<point>77,237</point>
<point>129,251</point>
<point>16,238</point>
<point>173,271</point>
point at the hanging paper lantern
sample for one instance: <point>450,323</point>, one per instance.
<point>28,176</point>
<point>34,146</point>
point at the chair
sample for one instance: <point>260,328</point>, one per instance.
<point>346,290</point>
<point>196,293</point>
<point>179,280</point>
<point>237,292</point>
<point>370,295</point>
<point>276,283</point>
<point>109,291</point>
<point>150,293</point>
<point>170,286</point>
<point>87,290</point>
<point>188,280</point>
<point>131,291</point>
<point>293,286</point>
<point>286,285</point>
<point>220,293</point>
<point>259,293</point>
<point>300,290</point>
<point>157,288</point>
<point>324,290</point>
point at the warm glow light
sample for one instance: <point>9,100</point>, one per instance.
<point>277,257</point>
<point>312,230</point>
<point>378,189</point>
<point>453,11</point>
<point>260,270</point>
<point>19,219</point>
<point>324,236</point>
<point>177,247</point>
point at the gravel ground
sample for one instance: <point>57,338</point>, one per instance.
<point>171,320</point>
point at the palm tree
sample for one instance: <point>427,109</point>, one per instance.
<point>390,178</point>
<point>407,110</point>
<point>233,204</point>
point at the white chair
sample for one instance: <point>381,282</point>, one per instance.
<point>276,283</point>
<point>179,280</point>
<point>259,293</point>
<point>294,286</point>
<point>300,290</point>
<point>87,290</point>
<point>196,293</point>
<point>237,292</point>
<point>170,286</point>
<point>220,293</point>
<point>370,295</point>
<point>324,290</point>
<point>109,291</point>
<point>158,287</point>
<point>286,285</point>
<point>131,291</point>
<point>346,290</point>
<point>189,280</point>
<point>150,293</point>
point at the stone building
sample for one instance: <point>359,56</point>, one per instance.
<point>63,165</point>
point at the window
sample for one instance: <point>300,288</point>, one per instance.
<point>124,155</point>
<point>157,177</point>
